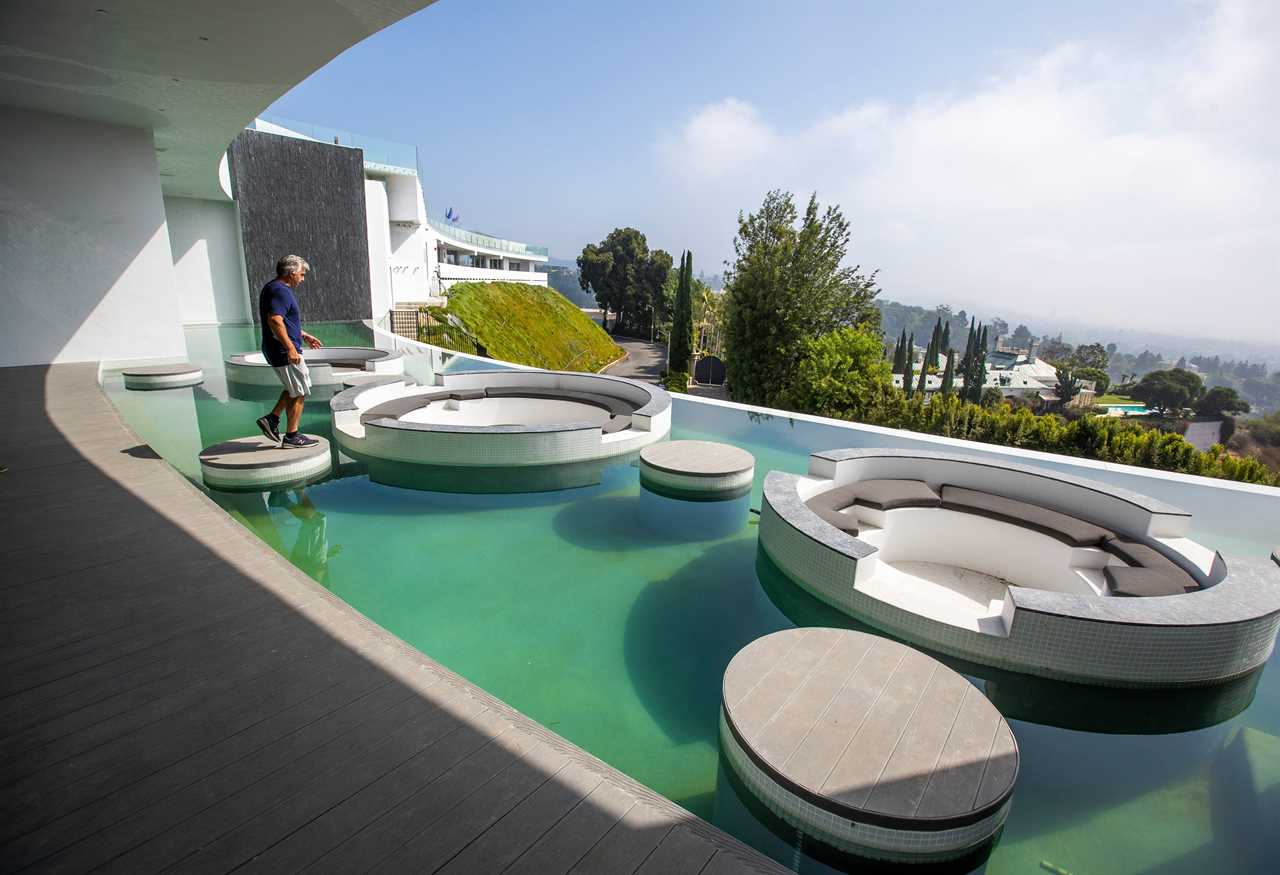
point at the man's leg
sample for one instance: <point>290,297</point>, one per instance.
<point>281,403</point>
<point>269,425</point>
<point>295,412</point>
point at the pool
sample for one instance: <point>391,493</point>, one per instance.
<point>1127,409</point>
<point>615,634</point>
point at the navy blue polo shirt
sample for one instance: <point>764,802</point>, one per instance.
<point>276,299</point>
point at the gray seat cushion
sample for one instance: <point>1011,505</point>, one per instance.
<point>827,505</point>
<point>1143,582</point>
<point>615,406</point>
<point>1144,556</point>
<point>466,394</point>
<point>1068,529</point>
<point>894,494</point>
<point>397,407</point>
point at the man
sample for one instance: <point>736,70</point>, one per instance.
<point>282,339</point>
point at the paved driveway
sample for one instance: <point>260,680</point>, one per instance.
<point>645,361</point>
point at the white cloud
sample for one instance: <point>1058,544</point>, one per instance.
<point>1142,191</point>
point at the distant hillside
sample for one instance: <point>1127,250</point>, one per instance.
<point>531,325</point>
<point>564,279</point>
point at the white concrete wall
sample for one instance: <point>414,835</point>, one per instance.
<point>404,199</point>
<point>375,210</point>
<point>87,268</point>
<point>208,270</point>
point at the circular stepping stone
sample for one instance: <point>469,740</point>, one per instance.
<point>170,376</point>
<point>257,463</point>
<point>697,470</point>
<point>867,745</point>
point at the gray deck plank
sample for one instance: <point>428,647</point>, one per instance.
<point>174,694</point>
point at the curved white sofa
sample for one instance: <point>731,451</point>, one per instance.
<point>328,365</point>
<point>1040,595</point>
<point>501,419</point>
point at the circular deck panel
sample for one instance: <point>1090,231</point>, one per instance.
<point>256,463</point>
<point>170,376</point>
<point>867,745</point>
<point>697,470</point>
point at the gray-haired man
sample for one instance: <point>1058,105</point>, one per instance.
<point>282,339</point>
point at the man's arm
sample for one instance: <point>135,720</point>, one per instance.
<point>276,323</point>
<point>311,340</point>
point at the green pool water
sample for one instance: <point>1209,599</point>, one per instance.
<point>574,609</point>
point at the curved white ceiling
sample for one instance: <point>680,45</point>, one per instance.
<point>194,71</point>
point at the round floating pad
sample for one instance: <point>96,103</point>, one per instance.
<point>697,470</point>
<point>867,745</point>
<point>257,463</point>
<point>170,376</point>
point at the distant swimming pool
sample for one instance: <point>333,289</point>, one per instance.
<point>1128,408</point>
<point>616,635</point>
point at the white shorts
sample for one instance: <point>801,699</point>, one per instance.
<point>296,379</point>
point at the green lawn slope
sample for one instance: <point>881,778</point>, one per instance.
<point>532,325</point>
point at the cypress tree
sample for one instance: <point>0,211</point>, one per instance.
<point>907,370</point>
<point>923,386</point>
<point>935,343</point>
<point>946,338</point>
<point>681,349</point>
<point>899,350</point>
<point>949,373</point>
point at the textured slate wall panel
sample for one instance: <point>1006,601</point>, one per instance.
<point>306,198</point>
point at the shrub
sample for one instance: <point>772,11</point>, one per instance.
<point>675,381</point>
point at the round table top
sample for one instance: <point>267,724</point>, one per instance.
<point>258,452</point>
<point>697,458</point>
<point>869,729</point>
<point>172,369</point>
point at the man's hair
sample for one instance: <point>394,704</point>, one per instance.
<point>291,264</point>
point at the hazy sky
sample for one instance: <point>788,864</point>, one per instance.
<point>1116,161</point>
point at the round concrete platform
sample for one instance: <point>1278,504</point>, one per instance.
<point>350,381</point>
<point>697,470</point>
<point>867,745</point>
<point>170,376</point>
<point>257,463</point>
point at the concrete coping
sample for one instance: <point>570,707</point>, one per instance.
<point>870,730</point>
<point>173,375</point>
<point>1246,590</point>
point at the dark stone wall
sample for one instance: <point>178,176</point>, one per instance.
<point>305,198</point>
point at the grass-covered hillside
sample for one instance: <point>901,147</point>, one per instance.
<point>531,325</point>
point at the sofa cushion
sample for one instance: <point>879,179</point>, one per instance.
<point>398,407</point>
<point>1143,555</point>
<point>466,394</point>
<point>1143,582</point>
<point>1068,529</point>
<point>893,494</point>
<point>615,406</point>
<point>833,499</point>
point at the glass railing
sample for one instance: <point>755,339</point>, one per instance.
<point>447,229</point>
<point>400,155</point>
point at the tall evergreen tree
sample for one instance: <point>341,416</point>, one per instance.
<point>946,338</point>
<point>907,366</point>
<point>680,356</point>
<point>949,373</point>
<point>935,343</point>
<point>899,351</point>
<point>923,386</point>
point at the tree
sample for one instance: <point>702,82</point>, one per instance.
<point>1068,387</point>
<point>899,351</point>
<point>1022,337</point>
<point>1091,355</point>
<point>945,343</point>
<point>625,277</point>
<point>1101,382</point>
<point>1054,350</point>
<point>923,386</point>
<point>1168,391</point>
<point>1221,400</point>
<point>842,373</point>
<point>787,285</point>
<point>680,350</point>
<point>949,373</point>
<point>908,365</point>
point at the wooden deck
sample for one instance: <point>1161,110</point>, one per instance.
<point>174,695</point>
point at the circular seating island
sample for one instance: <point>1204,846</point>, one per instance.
<point>170,376</point>
<point>503,421</point>
<point>328,366</point>
<point>867,745</point>
<point>1020,568</point>
<point>252,463</point>
<point>697,470</point>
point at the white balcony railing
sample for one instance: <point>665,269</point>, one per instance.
<point>454,273</point>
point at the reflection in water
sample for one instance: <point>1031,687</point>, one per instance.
<point>682,520</point>
<point>311,551</point>
<point>740,813</point>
